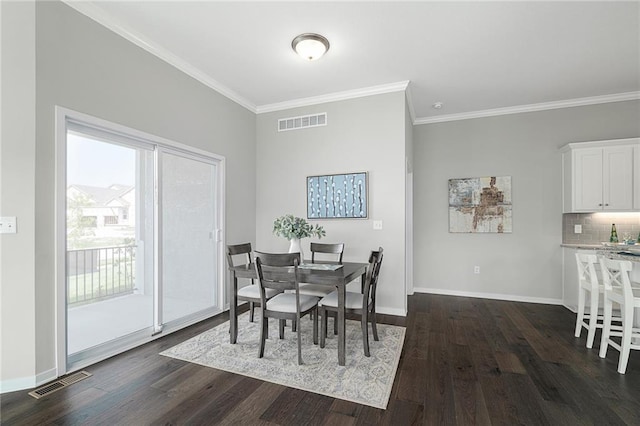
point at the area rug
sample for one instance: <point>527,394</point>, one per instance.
<point>364,380</point>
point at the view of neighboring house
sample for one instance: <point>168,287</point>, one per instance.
<point>104,208</point>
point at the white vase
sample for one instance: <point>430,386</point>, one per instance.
<point>296,247</point>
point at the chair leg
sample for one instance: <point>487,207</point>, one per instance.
<point>323,325</point>
<point>374,325</point>
<point>593,319</point>
<point>263,335</point>
<point>251,306</point>
<point>580,315</point>
<point>299,344</point>
<point>294,326</point>
<point>606,328</point>
<point>625,344</point>
<point>281,324</point>
<point>315,325</point>
<point>335,323</point>
<point>365,333</point>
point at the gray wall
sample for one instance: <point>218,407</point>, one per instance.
<point>364,134</point>
<point>526,264</point>
<point>85,67</point>
<point>17,191</point>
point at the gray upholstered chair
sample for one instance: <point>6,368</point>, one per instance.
<point>250,293</point>
<point>279,272</point>
<point>363,304</point>
<point>332,249</point>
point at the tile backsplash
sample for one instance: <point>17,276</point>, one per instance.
<point>596,227</point>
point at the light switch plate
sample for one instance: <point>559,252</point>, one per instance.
<point>577,229</point>
<point>8,225</point>
<point>377,224</point>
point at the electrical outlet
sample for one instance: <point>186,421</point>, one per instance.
<point>377,225</point>
<point>577,229</point>
<point>476,269</point>
<point>8,225</point>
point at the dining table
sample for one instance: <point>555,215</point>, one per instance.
<point>331,274</point>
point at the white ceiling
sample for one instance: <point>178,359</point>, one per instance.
<point>473,56</point>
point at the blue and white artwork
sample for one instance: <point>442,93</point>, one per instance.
<point>337,196</point>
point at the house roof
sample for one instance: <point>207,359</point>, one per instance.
<point>101,196</point>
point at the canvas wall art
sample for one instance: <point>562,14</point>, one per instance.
<point>480,204</point>
<point>337,196</point>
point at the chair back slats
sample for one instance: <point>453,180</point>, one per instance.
<point>237,249</point>
<point>371,280</point>
<point>615,276</point>
<point>586,269</point>
<point>328,249</point>
<point>277,270</point>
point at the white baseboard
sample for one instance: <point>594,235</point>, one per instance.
<point>21,383</point>
<point>28,382</point>
<point>496,296</point>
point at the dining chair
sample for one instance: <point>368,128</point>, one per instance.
<point>331,249</point>
<point>249,293</point>
<point>279,272</point>
<point>618,289</point>
<point>363,304</point>
<point>588,283</point>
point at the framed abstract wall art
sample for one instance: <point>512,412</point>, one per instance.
<point>337,196</point>
<point>480,204</point>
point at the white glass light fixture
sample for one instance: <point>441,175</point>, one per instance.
<point>310,46</point>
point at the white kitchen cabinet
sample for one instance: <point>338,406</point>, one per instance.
<point>600,176</point>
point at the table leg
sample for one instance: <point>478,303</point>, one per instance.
<point>341,325</point>
<point>233,312</point>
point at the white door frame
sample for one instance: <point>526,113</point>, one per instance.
<point>62,117</point>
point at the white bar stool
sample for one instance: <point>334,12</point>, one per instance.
<point>588,282</point>
<point>617,289</point>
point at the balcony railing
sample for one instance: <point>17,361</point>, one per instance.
<point>96,274</point>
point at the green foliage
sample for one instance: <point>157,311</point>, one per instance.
<point>78,226</point>
<point>289,227</point>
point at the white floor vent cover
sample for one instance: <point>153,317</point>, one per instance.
<point>59,384</point>
<point>302,122</point>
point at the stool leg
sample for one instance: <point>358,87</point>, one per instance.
<point>625,344</point>
<point>593,319</point>
<point>580,316</point>
<point>606,327</point>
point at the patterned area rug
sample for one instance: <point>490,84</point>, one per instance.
<point>363,380</point>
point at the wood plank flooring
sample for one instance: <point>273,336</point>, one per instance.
<point>465,362</point>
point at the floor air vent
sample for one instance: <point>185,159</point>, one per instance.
<point>59,384</point>
<point>302,122</point>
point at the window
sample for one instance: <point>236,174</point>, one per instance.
<point>111,220</point>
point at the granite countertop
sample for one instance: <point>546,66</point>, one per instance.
<point>611,251</point>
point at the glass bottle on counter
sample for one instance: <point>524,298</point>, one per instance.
<point>614,234</point>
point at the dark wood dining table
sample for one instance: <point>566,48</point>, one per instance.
<point>307,273</point>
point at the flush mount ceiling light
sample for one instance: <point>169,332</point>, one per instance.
<point>310,46</point>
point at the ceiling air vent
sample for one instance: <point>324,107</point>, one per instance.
<point>302,122</point>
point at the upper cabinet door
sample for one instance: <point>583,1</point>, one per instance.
<point>601,176</point>
<point>617,178</point>
<point>587,179</point>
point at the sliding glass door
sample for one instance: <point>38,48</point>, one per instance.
<point>188,218</point>
<point>141,240</point>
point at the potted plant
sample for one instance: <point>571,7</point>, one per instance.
<point>294,228</point>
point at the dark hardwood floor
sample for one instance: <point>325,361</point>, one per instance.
<point>465,361</point>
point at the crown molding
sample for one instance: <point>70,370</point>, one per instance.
<point>101,17</point>
<point>569,103</point>
<point>333,97</point>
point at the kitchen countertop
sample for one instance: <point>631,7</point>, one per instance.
<point>611,251</point>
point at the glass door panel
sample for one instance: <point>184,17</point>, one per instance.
<point>109,288</point>
<point>188,249</point>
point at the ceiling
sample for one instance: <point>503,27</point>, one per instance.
<point>475,57</point>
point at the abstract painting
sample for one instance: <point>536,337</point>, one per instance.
<point>337,196</point>
<point>480,204</point>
